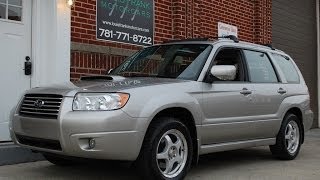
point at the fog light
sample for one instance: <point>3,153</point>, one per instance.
<point>92,143</point>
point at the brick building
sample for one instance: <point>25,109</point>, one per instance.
<point>61,41</point>
<point>174,19</point>
<point>182,19</point>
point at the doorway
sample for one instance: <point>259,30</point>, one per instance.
<point>15,48</point>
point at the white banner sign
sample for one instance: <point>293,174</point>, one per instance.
<point>227,29</point>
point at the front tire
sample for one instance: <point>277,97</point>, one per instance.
<point>167,151</point>
<point>289,138</point>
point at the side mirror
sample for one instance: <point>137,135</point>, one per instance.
<point>224,72</point>
<point>110,71</point>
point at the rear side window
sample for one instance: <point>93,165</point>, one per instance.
<point>260,67</point>
<point>287,68</point>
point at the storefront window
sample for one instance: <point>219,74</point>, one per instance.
<point>11,10</point>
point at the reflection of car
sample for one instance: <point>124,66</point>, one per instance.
<point>170,103</point>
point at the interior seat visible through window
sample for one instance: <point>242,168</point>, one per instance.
<point>230,57</point>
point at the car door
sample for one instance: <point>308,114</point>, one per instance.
<point>269,93</point>
<point>227,105</point>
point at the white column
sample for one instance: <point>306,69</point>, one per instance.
<point>50,42</point>
<point>318,55</point>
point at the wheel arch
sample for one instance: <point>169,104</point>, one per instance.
<point>297,111</point>
<point>187,118</point>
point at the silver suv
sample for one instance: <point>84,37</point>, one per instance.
<point>167,104</point>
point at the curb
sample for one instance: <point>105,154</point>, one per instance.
<point>13,154</point>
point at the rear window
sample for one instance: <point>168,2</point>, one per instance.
<point>287,68</point>
<point>260,67</point>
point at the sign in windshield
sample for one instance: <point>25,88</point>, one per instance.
<point>126,21</point>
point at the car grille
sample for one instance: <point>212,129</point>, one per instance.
<point>38,142</point>
<point>41,105</point>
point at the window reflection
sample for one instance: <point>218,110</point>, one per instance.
<point>2,11</point>
<point>14,13</point>
<point>15,2</point>
<point>11,10</point>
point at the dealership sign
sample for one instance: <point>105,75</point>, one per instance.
<point>227,29</point>
<point>126,21</point>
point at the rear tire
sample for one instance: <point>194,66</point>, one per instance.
<point>58,160</point>
<point>289,139</point>
<point>167,151</point>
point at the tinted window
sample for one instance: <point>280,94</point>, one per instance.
<point>182,61</point>
<point>287,68</point>
<point>260,67</point>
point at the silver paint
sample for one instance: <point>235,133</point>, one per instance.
<point>227,115</point>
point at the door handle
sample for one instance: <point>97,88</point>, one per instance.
<point>245,91</point>
<point>282,91</point>
<point>27,66</point>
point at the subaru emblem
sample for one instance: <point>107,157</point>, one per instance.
<point>38,103</point>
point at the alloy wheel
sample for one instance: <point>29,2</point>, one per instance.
<point>292,137</point>
<point>172,153</point>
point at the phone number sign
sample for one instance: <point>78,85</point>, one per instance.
<point>126,21</point>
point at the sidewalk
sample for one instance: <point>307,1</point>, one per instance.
<point>245,164</point>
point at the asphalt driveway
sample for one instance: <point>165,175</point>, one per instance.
<point>252,163</point>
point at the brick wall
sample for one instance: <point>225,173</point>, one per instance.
<point>88,63</point>
<point>174,19</point>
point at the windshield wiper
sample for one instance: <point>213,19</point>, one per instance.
<point>163,76</point>
<point>128,74</point>
<point>136,75</point>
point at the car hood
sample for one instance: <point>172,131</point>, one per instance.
<point>117,84</point>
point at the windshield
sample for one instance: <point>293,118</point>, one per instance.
<point>182,61</point>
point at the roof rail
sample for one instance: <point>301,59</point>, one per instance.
<point>231,37</point>
<point>270,46</point>
<point>189,39</point>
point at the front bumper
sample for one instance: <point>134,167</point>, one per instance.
<point>117,135</point>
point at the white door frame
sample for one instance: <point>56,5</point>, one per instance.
<point>15,41</point>
<point>51,39</point>
<point>50,42</point>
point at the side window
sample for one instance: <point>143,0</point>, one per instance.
<point>287,68</point>
<point>230,57</point>
<point>260,67</point>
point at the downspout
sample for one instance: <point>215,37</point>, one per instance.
<point>318,55</point>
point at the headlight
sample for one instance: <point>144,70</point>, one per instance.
<point>99,101</point>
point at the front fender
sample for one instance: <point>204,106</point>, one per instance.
<point>147,105</point>
<point>155,104</point>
